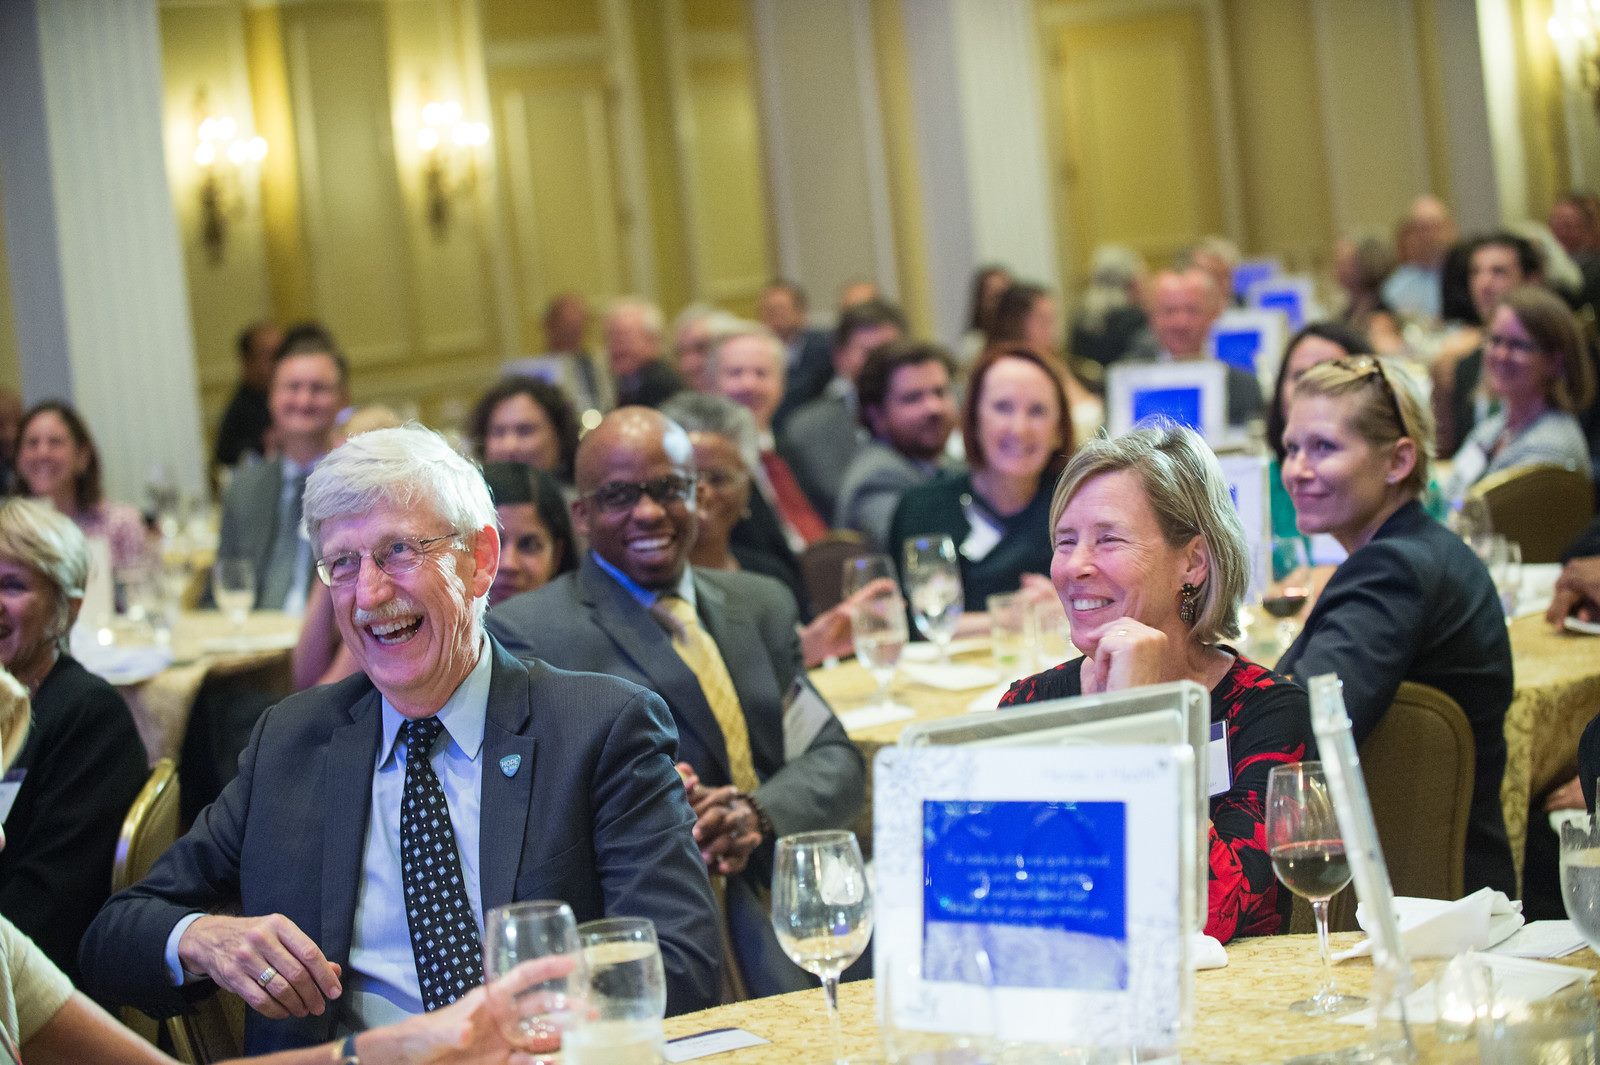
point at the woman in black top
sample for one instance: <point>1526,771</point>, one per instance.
<point>1150,563</point>
<point>1018,436</point>
<point>1412,601</point>
<point>82,763</point>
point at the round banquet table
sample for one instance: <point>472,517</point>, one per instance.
<point>1240,1016</point>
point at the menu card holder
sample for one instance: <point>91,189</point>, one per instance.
<point>1391,978</point>
<point>1033,897</point>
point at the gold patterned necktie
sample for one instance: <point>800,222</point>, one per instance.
<point>699,652</point>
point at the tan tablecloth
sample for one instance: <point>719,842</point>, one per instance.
<point>161,705</point>
<point>1557,694</point>
<point>1240,1019</point>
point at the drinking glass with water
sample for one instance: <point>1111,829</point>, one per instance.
<point>933,584</point>
<point>626,997</point>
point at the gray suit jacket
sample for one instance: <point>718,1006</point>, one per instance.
<point>872,487</point>
<point>818,441</point>
<point>596,816</point>
<point>250,518</point>
<point>586,620</point>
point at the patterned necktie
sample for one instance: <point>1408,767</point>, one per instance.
<point>444,936</point>
<point>699,652</point>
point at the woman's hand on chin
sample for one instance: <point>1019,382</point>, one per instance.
<point>1128,654</point>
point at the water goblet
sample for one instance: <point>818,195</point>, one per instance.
<point>525,931</point>
<point>862,571</point>
<point>933,584</point>
<point>878,628</point>
<point>233,586</point>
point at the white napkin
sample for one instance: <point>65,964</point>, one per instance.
<point>120,664</point>
<point>1435,928</point>
<point>1206,952</point>
<point>868,716</point>
<point>928,651</point>
<point>1516,981</point>
<point>955,677</point>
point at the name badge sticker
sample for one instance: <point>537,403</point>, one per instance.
<point>1219,767</point>
<point>983,537</point>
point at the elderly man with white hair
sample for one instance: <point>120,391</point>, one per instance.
<point>360,874</point>
<point>634,332</point>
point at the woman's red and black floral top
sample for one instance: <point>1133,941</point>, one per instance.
<point>1268,724</point>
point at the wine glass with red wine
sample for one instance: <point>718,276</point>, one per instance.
<point>1308,856</point>
<point>1291,585</point>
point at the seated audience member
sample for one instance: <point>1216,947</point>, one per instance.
<point>1183,307</point>
<point>1360,266</point>
<point>807,352</point>
<point>1110,316</point>
<point>1412,601</point>
<point>1313,345</point>
<point>1151,566</point>
<point>1027,317</point>
<point>720,647</point>
<point>640,373</point>
<point>46,1022</point>
<point>1495,265</point>
<point>1575,222</point>
<point>823,435</point>
<point>10,421</point>
<point>261,508</point>
<point>245,422</point>
<point>311,848</point>
<point>1423,238</point>
<point>57,462</point>
<point>523,419</point>
<point>746,364</point>
<point>535,545</point>
<point>906,401</point>
<point>1217,257</point>
<point>565,363</point>
<point>726,456</point>
<point>693,332</point>
<point>83,759</point>
<point>353,421</point>
<point>983,297</point>
<point>1536,368</point>
<point>1018,438</point>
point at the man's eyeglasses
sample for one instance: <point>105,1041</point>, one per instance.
<point>618,496</point>
<point>394,557</point>
<point>1366,364</point>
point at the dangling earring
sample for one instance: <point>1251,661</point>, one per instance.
<point>1188,603</point>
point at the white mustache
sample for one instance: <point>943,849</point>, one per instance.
<point>394,608</point>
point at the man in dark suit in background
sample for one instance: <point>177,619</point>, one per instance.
<point>808,353</point>
<point>244,426</point>
<point>261,508</point>
<point>633,331</point>
<point>375,821</point>
<point>720,647</point>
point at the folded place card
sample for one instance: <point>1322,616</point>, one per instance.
<point>1541,939</point>
<point>1033,894</point>
<point>705,1044</point>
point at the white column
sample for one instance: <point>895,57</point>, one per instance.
<point>980,144</point>
<point>824,147</point>
<point>96,267</point>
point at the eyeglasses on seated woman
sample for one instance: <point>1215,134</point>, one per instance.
<point>1150,563</point>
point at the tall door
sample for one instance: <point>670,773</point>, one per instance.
<point>568,219</point>
<point>1136,135</point>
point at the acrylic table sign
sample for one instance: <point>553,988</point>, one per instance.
<point>1034,895</point>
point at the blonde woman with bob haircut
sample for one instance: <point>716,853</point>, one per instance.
<point>1150,563</point>
<point>1411,601</point>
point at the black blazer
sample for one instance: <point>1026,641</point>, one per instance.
<point>757,541</point>
<point>85,765</point>
<point>1589,760</point>
<point>596,817</point>
<point>808,373</point>
<point>654,384</point>
<point>1416,604</point>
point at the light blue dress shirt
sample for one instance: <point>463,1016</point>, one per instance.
<point>644,596</point>
<point>380,984</point>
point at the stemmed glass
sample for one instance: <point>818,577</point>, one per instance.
<point>933,583</point>
<point>822,910</point>
<point>878,627</point>
<point>1308,855</point>
<point>1580,876</point>
<point>862,571</point>
<point>525,931</point>
<point>1291,587</point>
<point>233,586</point>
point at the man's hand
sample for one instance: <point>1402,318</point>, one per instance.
<point>483,1027</point>
<point>235,951</point>
<point>1568,796</point>
<point>726,827</point>
<point>1577,591</point>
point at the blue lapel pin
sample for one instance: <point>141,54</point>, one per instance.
<point>510,764</point>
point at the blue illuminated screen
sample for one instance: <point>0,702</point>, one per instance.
<point>1182,405</point>
<point>1239,347</point>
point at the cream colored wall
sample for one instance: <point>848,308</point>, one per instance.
<point>10,359</point>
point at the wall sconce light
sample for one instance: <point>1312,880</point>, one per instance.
<point>1575,28</point>
<point>450,147</point>
<point>225,161</point>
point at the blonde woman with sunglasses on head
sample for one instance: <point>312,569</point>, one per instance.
<point>1412,601</point>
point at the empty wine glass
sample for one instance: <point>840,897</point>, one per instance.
<point>525,931</point>
<point>822,909</point>
<point>933,584</point>
<point>878,627</point>
<point>1308,855</point>
<point>1291,585</point>
<point>233,586</point>
<point>862,571</point>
